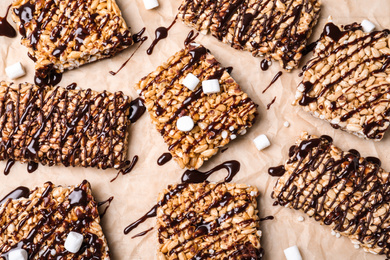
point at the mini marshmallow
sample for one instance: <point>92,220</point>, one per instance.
<point>338,235</point>
<point>150,4</point>
<point>367,26</point>
<point>232,137</point>
<point>356,246</point>
<point>261,142</point>
<point>286,124</point>
<point>300,219</point>
<point>190,81</point>
<point>211,86</point>
<point>185,123</point>
<point>292,253</point>
<point>18,254</point>
<point>15,71</point>
<point>73,242</point>
<point>224,134</point>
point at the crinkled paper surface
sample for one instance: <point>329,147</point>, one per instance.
<point>136,192</point>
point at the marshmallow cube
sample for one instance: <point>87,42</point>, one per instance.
<point>190,81</point>
<point>150,4</point>
<point>292,253</point>
<point>15,71</point>
<point>73,242</point>
<point>367,26</point>
<point>286,124</point>
<point>185,123</point>
<point>261,142</point>
<point>17,254</point>
<point>211,86</point>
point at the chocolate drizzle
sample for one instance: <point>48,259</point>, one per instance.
<point>136,38</point>
<point>53,224</point>
<point>164,158</point>
<point>32,166</point>
<point>354,181</point>
<point>8,166</point>
<point>19,192</point>
<point>52,78</point>
<point>195,176</point>
<point>263,20</point>
<point>188,177</point>
<point>277,171</point>
<point>271,103</point>
<point>264,64</point>
<point>190,37</point>
<point>277,76</point>
<point>267,218</point>
<point>366,40</point>
<point>5,28</point>
<point>128,168</point>
<point>161,33</point>
<point>109,200</point>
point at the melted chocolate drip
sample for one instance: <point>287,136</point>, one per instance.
<point>277,76</point>
<point>267,218</point>
<point>128,168</point>
<point>51,79</point>
<point>8,166</point>
<point>270,104</point>
<point>109,200</point>
<point>142,233</point>
<point>137,109</point>
<point>224,149</point>
<point>72,86</point>
<point>164,158</point>
<point>195,176</point>
<point>5,28</point>
<point>32,166</point>
<point>333,31</point>
<point>309,48</point>
<point>19,192</point>
<point>277,171</point>
<point>264,64</point>
<point>78,197</point>
<point>136,38</point>
<point>229,69</point>
<point>190,37</point>
<point>161,33</point>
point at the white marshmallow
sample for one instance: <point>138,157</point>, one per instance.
<point>18,254</point>
<point>233,136</point>
<point>185,123</point>
<point>150,4</point>
<point>286,124</point>
<point>261,142</point>
<point>190,81</point>
<point>367,26</point>
<point>292,253</point>
<point>211,86</point>
<point>338,235</point>
<point>15,71</point>
<point>224,134</point>
<point>73,242</point>
<point>300,219</point>
<point>357,246</point>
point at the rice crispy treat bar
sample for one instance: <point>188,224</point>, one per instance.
<point>218,118</point>
<point>63,35</point>
<point>275,29</point>
<point>60,126</point>
<point>208,221</point>
<point>340,189</point>
<point>347,82</point>
<point>40,221</point>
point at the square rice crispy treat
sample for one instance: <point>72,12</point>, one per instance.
<point>342,190</point>
<point>275,29</point>
<point>208,221</point>
<point>60,126</point>
<point>347,82</point>
<point>218,117</point>
<point>40,221</point>
<point>63,35</point>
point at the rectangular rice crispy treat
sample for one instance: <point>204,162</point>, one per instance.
<point>60,126</point>
<point>347,82</point>
<point>218,117</point>
<point>275,29</point>
<point>39,222</point>
<point>340,189</point>
<point>208,221</point>
<point>63,35</point>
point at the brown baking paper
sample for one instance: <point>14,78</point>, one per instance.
<point>136,192</point>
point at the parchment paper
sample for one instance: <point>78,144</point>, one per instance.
<point>136,192</point>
